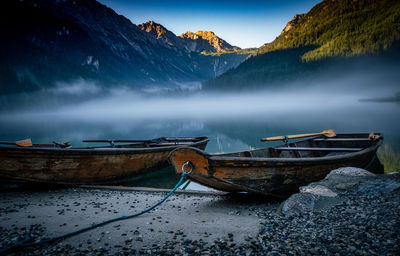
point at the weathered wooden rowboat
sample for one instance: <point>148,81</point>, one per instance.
<point>279,171</point>
<point>115,163</point>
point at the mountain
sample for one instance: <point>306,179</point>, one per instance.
<point>162,35</point>
<point>47,42</point>
<point>206,41</point>
<point>212,55</point>
<point>333,35</point>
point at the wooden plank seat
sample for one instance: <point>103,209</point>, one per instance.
<point>318,149</point>
<point>342,139</point>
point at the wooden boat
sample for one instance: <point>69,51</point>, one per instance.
<point>114,163</point>
<point>279,171</point>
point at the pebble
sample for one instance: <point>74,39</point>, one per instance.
<point>360,225</point>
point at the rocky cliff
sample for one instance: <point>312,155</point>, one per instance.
<point>46,42</point>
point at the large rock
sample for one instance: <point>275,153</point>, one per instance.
<point>318,190</point>
<point>298,203</point>
<point>346,178</point>
<point>378,186</point>
<point>349,171</point>
<point>332,190</point>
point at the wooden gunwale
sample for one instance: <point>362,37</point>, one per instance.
<point>98,150</point>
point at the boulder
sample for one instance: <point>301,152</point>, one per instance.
<point>318,190</point>
<point>298,203</point>
<point>349,171</point>
<point>332,190</point>
<point>378,186</point>
<point>346,178</point>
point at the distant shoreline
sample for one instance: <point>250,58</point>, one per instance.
<point>395,98</point>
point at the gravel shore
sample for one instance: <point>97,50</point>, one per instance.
<point>183,221</point>
<point>362,224</point>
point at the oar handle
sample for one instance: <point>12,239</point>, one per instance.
<point>328,133</point>
<point>295,136</point>
<point>7,143</point>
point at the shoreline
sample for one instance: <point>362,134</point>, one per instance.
<point>184,216</point>
<point>193,223</point>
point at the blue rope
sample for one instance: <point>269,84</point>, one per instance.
<point>24,243</point>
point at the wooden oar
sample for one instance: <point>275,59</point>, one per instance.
<point>118,141</point>
<point>21,143</point>
<point>62,145</point>
<point>326,133</point>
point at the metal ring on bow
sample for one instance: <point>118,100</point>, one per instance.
<point>189,165</point>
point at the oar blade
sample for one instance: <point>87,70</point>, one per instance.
<point>329,133</point>
<point>24,143</point>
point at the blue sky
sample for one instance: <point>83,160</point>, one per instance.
<point>245,24</point>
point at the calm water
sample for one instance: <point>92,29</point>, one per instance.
<point>233,123</point>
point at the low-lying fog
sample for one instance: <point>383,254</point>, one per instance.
<point>234,121</point>
<point>86,100</point>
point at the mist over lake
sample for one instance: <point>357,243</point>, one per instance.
<point>233,121</point>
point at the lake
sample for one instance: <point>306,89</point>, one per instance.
<point>233,122</point>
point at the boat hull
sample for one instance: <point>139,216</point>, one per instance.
<point>82,166</point>
<point>278,177</point>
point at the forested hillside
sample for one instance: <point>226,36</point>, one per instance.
<point>333,33</point>
<point>342,28</point>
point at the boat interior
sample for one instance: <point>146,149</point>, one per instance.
<point>315,147</point>
<point>110,144</point>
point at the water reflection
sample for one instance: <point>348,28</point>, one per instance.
<point>228,134</point>
<point>233,122</point>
